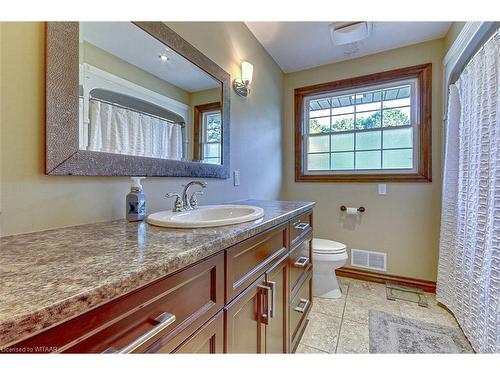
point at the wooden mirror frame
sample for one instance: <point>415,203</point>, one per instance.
<point>63,156</point>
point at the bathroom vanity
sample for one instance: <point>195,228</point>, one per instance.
<point>123,287</point>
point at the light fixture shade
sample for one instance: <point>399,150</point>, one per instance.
<point>246,72</point>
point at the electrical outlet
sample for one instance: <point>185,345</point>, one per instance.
<point>382,189</point>
<point>236,175</point>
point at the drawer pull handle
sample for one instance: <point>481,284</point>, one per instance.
<point>163,321</point>
<point>264,312</point>
<point>272,286</point>
<point>302,309</point>
<point>301,226</point>
<point>301,262</point>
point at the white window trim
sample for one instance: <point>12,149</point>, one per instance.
<point>415,123</point>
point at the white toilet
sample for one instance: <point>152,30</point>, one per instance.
<point>327,257</point>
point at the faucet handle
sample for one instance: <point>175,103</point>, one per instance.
<point>178,201</point>
<point>194,199</point>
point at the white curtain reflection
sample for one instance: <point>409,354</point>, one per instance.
<point>120,131</point>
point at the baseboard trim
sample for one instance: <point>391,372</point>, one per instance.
<point>425,285</point>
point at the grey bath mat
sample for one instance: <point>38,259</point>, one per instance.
<point>394,334</point>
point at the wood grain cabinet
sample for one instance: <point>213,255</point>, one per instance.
<point>245,318</point>
<point>299,308</point>
<point>209,339</point>
<point>299,227</point>
<point>299,260</point>
<point>253,297</point>
<point>257,320</point>
<point>253,257</point>
<point>277,279</point>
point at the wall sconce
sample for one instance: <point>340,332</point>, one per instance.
<point>242,86</point>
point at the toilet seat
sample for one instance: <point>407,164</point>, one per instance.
<point>322,246</point>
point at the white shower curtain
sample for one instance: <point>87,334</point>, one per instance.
<point>117,130</point>
<point>469,257</point>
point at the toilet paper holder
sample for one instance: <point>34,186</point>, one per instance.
<point>360,209</point>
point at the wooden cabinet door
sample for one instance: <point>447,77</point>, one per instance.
<point>245,319</point>
<point>277,327</point>
<point>207,340</point>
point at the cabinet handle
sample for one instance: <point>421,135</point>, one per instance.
<point>264,314</point>
<point>272,287</point>
<point>301,262</point>
<point>300,226</point>
<point>302,309</point>
<point>163,321</point>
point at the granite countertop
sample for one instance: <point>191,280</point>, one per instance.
<point>48,277</point>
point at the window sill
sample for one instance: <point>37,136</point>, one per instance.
<point>413,177</point>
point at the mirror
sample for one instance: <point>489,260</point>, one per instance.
<point>133,99</point>
<point>147,100</point>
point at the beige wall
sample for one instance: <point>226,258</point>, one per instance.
<point>31,201</point>
<point>110,63</point>
<point>405,222</point>
<point>206,96</point>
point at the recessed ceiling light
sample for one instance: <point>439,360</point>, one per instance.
<point>163,58</point>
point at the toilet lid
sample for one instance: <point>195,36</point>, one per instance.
<point>321,246</point>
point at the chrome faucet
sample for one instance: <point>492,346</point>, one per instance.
<point>182,201</point>
<point>190,204</point>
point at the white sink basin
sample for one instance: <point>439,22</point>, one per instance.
<point>207,216</point>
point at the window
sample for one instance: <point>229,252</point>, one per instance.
<point>370,128</point>
<point>208,133</point>
<point>211,138</point>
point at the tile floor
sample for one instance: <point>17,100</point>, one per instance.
<point>341,325</point>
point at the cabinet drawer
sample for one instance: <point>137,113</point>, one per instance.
<point>192,295</point>
<point>299,227</point>
<point>299,261</point>
<point>300,307</point>
<point>248,260</point>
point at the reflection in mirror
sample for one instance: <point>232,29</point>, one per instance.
<point>139,97</point>
<point>207,132</point>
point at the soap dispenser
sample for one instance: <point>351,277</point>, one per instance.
<point>136,201</point>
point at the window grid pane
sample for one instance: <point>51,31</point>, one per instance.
<point>211,138</point>
<point>361,119</point>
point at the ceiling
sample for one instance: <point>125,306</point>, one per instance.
<point>128,42</point>
<point>300,45</point>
